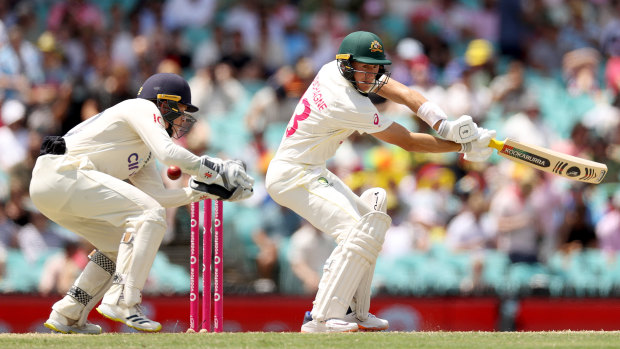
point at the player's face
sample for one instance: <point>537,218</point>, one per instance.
<point>365,75</point>
<point>182,124</point>
<point>182,109</point>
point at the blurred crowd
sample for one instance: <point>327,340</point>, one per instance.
<point>544,72</point>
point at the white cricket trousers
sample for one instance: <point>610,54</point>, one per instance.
<point>317,195</point>
<point>92,204</point>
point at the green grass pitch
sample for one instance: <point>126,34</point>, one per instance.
<point>560,339</point>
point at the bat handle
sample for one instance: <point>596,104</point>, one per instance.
<point>494,143</point>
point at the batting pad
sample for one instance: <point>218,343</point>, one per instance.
<point>348,264</point>
<point>376,198</point>
<point>88,288</point>
<point>136,254</point>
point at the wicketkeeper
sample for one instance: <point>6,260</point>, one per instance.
<point>100,181</point>
<point>335,105</point>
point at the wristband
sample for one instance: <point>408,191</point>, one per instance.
<point>431,113</point>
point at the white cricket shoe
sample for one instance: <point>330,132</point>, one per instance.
<point>373,323</point>
<point>59,323</point>
<point>331,325</point>
<point>130,316</point>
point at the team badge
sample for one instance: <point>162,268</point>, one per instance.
<point>375,46</point>
<point>323,181</point>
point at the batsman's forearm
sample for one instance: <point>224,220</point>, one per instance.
<point>425,143</point>
<point>419,142</point>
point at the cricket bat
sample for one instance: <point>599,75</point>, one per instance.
<point>550,161</point>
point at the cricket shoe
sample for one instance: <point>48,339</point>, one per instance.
<point>373,323</point>
<point>130,316</point>
<point>59,323</point>
<point>331,325</point>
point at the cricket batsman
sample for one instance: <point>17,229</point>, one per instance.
<point>335,105</point>
<point>100,181</point>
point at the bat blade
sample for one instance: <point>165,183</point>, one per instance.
<point>551,161</point>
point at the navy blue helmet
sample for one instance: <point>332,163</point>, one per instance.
<point>167,90</point>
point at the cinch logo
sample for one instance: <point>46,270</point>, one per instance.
<point>375,46</point>
<point>525,156</point>
<point>133,161</point>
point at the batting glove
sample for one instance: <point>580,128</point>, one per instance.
<point>478,150</point>
<point>461,130</point>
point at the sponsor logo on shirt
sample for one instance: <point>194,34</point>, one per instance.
<point>133,162</point>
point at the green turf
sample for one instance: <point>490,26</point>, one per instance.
<point>564,339</point>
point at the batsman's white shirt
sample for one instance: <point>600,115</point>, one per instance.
<point>328,112</point>
<point>86,189</point>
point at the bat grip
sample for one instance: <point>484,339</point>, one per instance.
<point>494,143</point>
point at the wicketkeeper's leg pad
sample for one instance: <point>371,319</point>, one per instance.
<point>348,264</point>
<point>88,288</point>
<point>136,254</point>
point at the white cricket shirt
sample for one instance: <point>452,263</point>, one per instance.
<point>328,112</point>
<point>121,140</point>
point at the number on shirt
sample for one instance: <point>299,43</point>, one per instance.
<point>299,117</point>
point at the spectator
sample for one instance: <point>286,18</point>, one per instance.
<point>470,233</point>
<point>277,223</point>
<point>309,249</point>
<point>13,135</point>
<point>180,14</point>
<point>509,89</point>
<point>37,238</point>
<point>578,230</point>
<point>20,66</point>
<point>470,230</point>
<point>608,228</point>
<point>2,262</point>
<point>8,229</point>
<point>528,126</point>
<point>62,268</point>
<point>517,228</point>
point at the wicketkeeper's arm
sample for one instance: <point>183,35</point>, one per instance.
<point>148,179</point>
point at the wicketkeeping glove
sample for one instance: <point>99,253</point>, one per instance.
<point>229,174</point>
<point>461,130</point>
<point>221,192</point>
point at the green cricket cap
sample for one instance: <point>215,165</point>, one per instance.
<point>363,47</point>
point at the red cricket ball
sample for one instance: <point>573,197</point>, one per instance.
<point>174,172</point>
